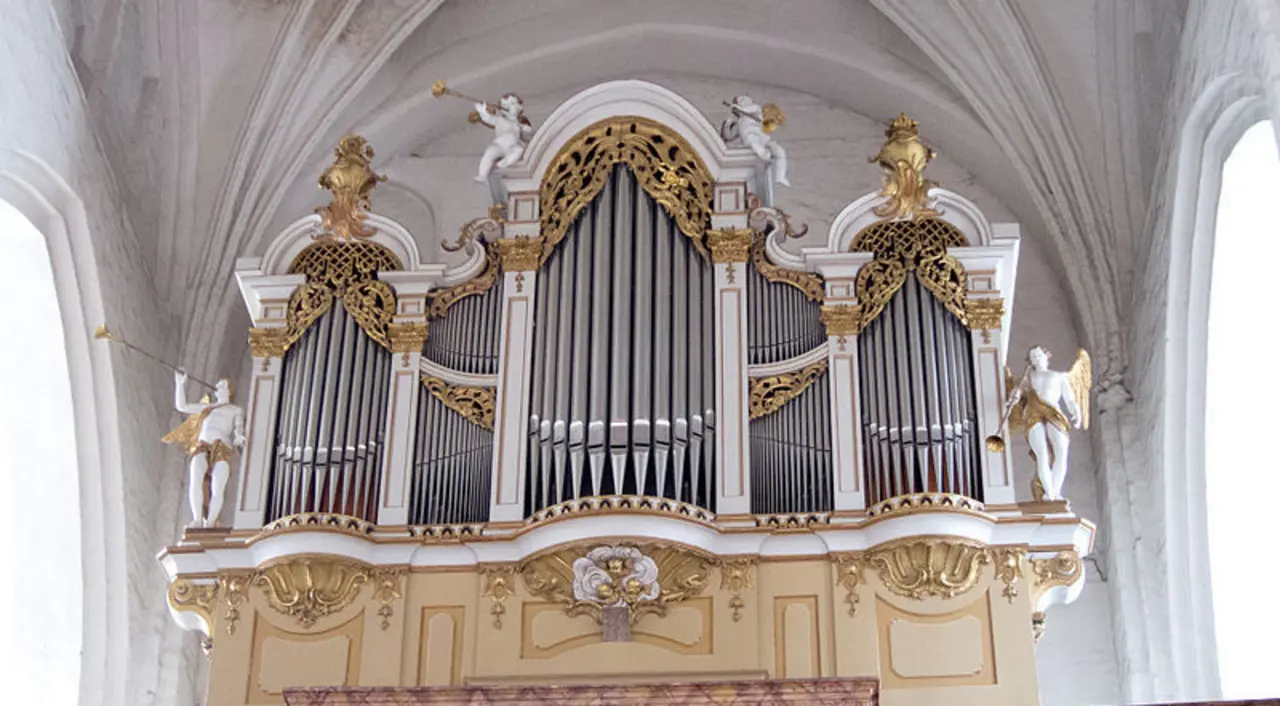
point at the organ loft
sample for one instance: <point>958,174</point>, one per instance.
<point>626,440</point>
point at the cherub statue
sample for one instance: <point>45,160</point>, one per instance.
<point>209,435</point>
<point>511,130</point>
<point>752,125</point>
<point>1047,404</point>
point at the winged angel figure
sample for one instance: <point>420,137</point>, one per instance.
<point>1046,405</point>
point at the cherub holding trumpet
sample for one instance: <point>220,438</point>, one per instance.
<point>511,129</point>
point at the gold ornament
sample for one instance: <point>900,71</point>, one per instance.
<point>769,394</point>
<point>903,158</point>
<point>932,566</point>
<point>848,571</point>
<point>349,179</point>
<point>475,404</point>
<point>310,588</point>
<point>268,342</point>
<point>386,590</point>
<point>841,319</point>
<point>1063,569</point>
<point>730,244</point>
<point>735,577</point>
<point>342,269</point>
<point>1008,561</point>
<point>439,301</point>
<point>984,315</point>
<point>916,247</point>
<point>521,253</point>
<point>664,163</point>
<point>807,282</point>
<point>186,596</point>
<point>907,504</point>
<point>499,585</point>
<point>407,337</point>
<point>234,585</point>
<point>682,574</point>
<point>306,521</point>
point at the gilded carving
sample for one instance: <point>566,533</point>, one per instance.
<point>189,597</point>
<point>386,590</point>
<point>349,179</point>
<point>903,158</point>
<point>499,585</point>
<point>439,301</point>
<point>730,244</point>
<point>407,337</point>
<point>475,404</point>
<point>807,282</point>
<point>268,342</point>
<point>902,248</point>
<point>931,566</point>
<point>312,520</point>
<point>736,577</point>
<point>521,253</point>
<point>680,574</point>
<point>1008,563</point>
<point>984,315</point>
<point>664,163</point>
<point>487,226</point>
<point>1063,569</point>
<point>840,319</point>
<point>760,216</point>
<point>769,394</point>
<point>310,588</point>
<point>234,585</point>
<point>848,571</point>
<point>907,504</point>
<point>347,270</point>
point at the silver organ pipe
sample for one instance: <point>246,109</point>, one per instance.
<point>332,413</point>
<point>622,393</point>
<point>453,454</point>
<point>791,467</point>
<point>918,399</point>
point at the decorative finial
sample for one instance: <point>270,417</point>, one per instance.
<point>349,179</point>
<point>903,157</point>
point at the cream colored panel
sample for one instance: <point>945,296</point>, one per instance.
<point>440,630</point>
<point>682,624</point>
<point>552,627</point>
<point>921,650</point>
<point>286,664</point>
<point>797,621</point>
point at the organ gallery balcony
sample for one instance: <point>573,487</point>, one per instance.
<point>633,434</point>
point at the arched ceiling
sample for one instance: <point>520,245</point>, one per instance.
<point>1014,96</point>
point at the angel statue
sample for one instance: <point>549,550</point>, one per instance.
<point>752,126</point>
<point>1047,404</point>
<point>211,431</point>
<point>511,130</point>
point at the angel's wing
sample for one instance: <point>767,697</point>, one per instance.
<point>187,434</point>
<point>1080,377</point>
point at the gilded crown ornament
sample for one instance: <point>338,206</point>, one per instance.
<point>903,158</point>
<point>350,179</point>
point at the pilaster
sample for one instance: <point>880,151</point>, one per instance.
<point>841,319</point>
<point>730,248</point>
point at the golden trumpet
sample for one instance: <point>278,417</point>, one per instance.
<point>995,443</point>
<point>440,89</point>
<point>102,333</point>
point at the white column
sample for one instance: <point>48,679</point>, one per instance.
<point>260,427</point>
<point>407,332</point>
<point>846,422</point>
<point>729,250</point>
<point>511,414</point>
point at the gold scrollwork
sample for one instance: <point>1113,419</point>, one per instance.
<point>736,577</point>
<point>665,165</point>
<point>1008,562</point>
<point>439,301</point>
<point>310,588</point>
<point>475,404</point>
<point>984,315</point>
<point>730,244</point>
<point>682,574</point>
<point>901,248</point>
<point>521,253</point>
<point>234,585</point>
<point>499,585</point>
<point>187,596</point>
<point>807,282</point>
<point>349,179</point>
<point>1062,569</point>
<point>343,269</point>
<point>903,158</point>
<point>386,590</point>
<point>932,566</point>
<point>848,571</point>
<point>769,394</point>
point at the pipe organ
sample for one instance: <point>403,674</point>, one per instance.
<point>639,409</point>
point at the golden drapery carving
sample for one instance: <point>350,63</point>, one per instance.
<point>769,394</point>
<point>807,282</point>
<point>682,574</point>
<point>475,404</point>
<point>916,247</point>
<point>665,164</point>
<point>439,301</point>
<point>346,269</point>
<point>349,179</point>
<point>903,158</point>
<point>309,588</point>
<point>933,566</point>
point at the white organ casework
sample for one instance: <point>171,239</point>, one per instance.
<point>635,347</point>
